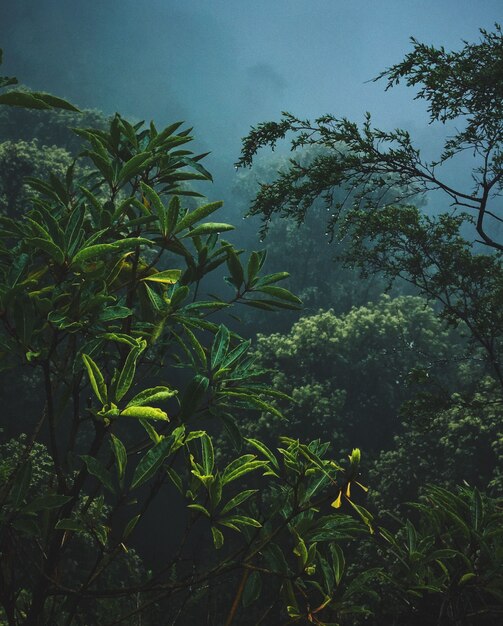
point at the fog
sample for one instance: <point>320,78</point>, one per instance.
<point>223,65</point>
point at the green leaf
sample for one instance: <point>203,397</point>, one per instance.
<point>198,348</point>
<point>293,612</point>
<point>235,268</point>
<point>240,520</point>
<point>39,231</point>
<point>151,431</point>
<point>121,211</point>
<point>338,562</point>
<point>101,534</point>
<point>128,130</point>
<point>120,338</point>
<point>232,430</point>
<point>175,478</point>
<point>271,305</point>
<point>209,228</point>
<point>54,102</point>
<point>161,137</point>
<point>46,502</point>
<point>240,466</point>
<point>258,304</point>
<point>261,447</point>
<point>365,515</point>
<point>96,468</point>
<point>218,538</point>
<point>127,373</point>
<point>275,559</point>
<point>252,400</point>
<point>156,301</point>
<point>73,229</point>
<point>192,162</point>
<point>172,215</point>
<point>166,277</point>
<point>179,295</point>
<point>96,379</point>
<point>120,455</point>
<point>130,243</point>
<point>92,253</point>
<point>253,267</point>
<point>280,292</point>
<point>411,536</point>
<point>159,207</point>
<point>197,215</point>
<point>103,165</point>
<point>194,434</point>
<point>219,347</point>
<point>151,462</point>
<point>237,500</point>
<point>70,524</point>
<point>300,550</point>
<point>23,99</point>
<point>466,578</point>
<point>200,508</point>
<point>252,590</point>
<point>134,166</point>
<point>48,246</point>
<point>193,395</point>
<point>130,526</point>
<point>208,456</point>
<point>272,278</point>
<point>152,396</point>
<point>61,321</point>
<point>95,206</point>
<point>110,313</point>
<point>144,413</point>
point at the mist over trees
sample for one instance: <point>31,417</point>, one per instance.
<point>196,431</point>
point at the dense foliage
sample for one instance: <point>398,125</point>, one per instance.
<point>160,468</point>
<point>449,429</point>
<point>386,234</point>
<point>351,373</point>
<point>304,250</point>
<point>99,297</point>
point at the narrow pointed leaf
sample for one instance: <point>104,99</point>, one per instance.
<point>48,246</point>
<point>96,379</point>
<point>208,229</point>
<point>46,502</point>
<point>252,590</point>
<point>156,202</point>
<point>237,500</point>
<point>151,462</point>
<point>96,468</point>
<point>218,538</point>
<point>197,215</point>
<point>127,373</point>
<point>120,456</point>
<point>152,396</point>
<point>208,457</point>
<point>134,166</point>
<point>145,413</point>
<point>166,277</point>
<point>219,346</point>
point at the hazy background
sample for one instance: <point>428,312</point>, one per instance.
<point>224,65</point>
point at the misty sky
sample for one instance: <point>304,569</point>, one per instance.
<point>223,65</point>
